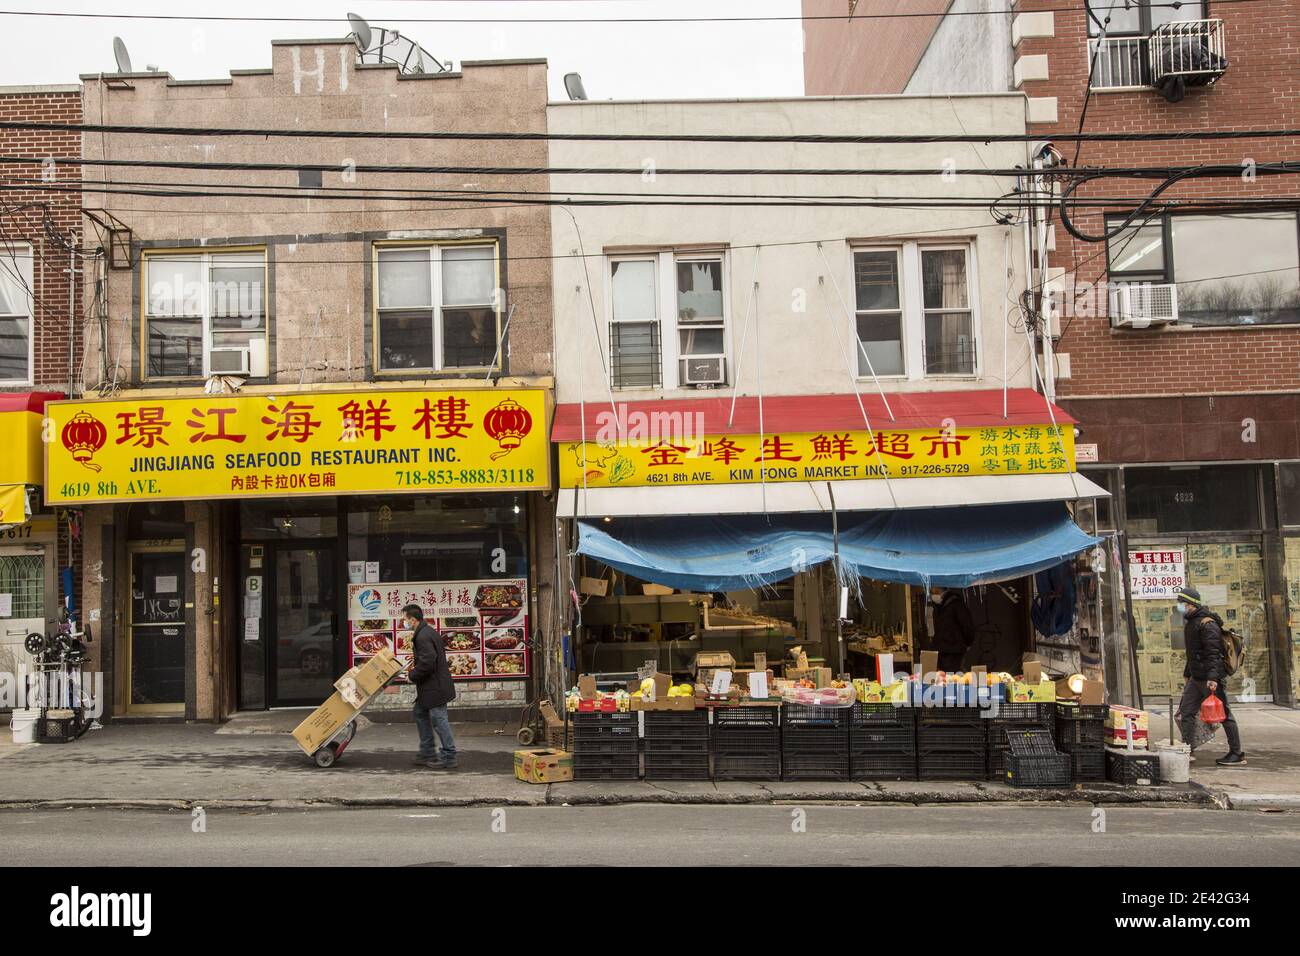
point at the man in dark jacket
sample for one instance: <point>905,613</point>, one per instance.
<point>954,630</point>
<point>1206,672</point>
<point>433,691</point>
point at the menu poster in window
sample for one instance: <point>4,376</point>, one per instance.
<point>484,624</point>
<point>1157,575</point>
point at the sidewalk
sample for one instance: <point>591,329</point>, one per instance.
<point>251,762</point>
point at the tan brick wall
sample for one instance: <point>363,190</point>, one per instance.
<point>847,57</point>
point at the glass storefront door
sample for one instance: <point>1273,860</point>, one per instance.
<point>304,623</point>
<point>156,631</point>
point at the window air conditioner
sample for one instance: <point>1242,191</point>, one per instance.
<point>1141,305</point>
<point>705,370</point>
<point>228,361</point>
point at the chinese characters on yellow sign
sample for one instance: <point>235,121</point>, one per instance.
<point>821,456</point>
<point>303,443</point>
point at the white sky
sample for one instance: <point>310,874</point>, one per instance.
<point>617,61</point>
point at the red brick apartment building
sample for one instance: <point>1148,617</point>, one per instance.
<point>42,266</point>
<point>1176,342</point>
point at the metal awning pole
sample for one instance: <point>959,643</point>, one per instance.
<point>835,538</point>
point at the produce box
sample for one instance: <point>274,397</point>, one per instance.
<point>873,692</point>
<point>543,766</point>
<point>323,723</point>
<point>821,676</point>
<point>1020,692</point>
<point>1119,717</point>
<point>665,703</point>
<point>358,684</point>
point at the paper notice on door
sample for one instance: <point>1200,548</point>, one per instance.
<point>252,605</point>
<point>6,605</point>
<point>251,628</point>
<point>356,572</point>
<point>1215,595</point>
<point>372,572</point>
<point>165,584</point>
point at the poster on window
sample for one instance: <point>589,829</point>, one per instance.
<point>484,624</point>
<point>1157,575</point>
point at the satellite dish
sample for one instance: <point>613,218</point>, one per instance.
<point>123,58</point>
<point>573,86</point>
<point>360,31</point>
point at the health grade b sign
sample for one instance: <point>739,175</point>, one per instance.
<point>301,443</point>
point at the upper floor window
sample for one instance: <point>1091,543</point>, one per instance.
<point>438,307</point>
<point>651,346</point>
<point>205,314</point>
<point>1236,269</point>
<point>16,314</point>
<point>914,311</point>
<point>1122,58</point>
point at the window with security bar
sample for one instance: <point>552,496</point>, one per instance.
<point>23,576</point>
<point>1119,38</point>
<point>16,314</point>
<point>635,359</point>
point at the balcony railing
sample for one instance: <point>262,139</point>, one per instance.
<point>1175,56</point>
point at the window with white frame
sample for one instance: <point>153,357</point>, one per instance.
<point>651,346</point>
<point>205,314</point>
<point>16,314</point>
<point>634,332</point>
<point>438,307</point>
<point>914,312</point>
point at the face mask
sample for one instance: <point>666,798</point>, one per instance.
<point>1182,608</point>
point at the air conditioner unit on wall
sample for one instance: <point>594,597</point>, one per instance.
<point>228,361</point>
<point>704,370</point>
<point>1142,305</point>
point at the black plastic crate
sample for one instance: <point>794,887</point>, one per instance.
<point>604,746</point>
<point>606,767</point>
<point>803,715</point>
<point>1039,712</point>
<point>56,730</point>
<point>949,715</point>
<point>1029,739</point>
<point>664,745</point>
<point>882,765</point>
<point>883,737</point>
<point>1066,711</point>
<point>999,729</point>
<point>746,766</point>
<point>748,717</point>
<point>951,765</point>
<point>677,767</point>
<point>603,726</point>
<point>869,715</point>
<point>1087,766</point>
<point>957,736</point>
<point>676,723</point>
<point>744,740</point>
<point>1037,770</point>
<point>815,766</point>
<point>820,739</point>
<point>1080,735</point>
<point>997,762</point>
<point>1134,769</point>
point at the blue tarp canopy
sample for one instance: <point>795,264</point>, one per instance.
<point>949,547</point>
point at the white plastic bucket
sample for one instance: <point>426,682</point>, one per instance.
<point>22,723</point>
<point>1175,762</point>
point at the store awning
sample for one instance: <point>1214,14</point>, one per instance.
<point>951,547</point>
<point>23,462</point>
<point>814,497</point>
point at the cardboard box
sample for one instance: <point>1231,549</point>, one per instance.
<point>873,692</point>
<point>655,590</point>
<point>1119,717</point>
<point>1023,692</point>
<point>587,687</point>
<point>323,723</point>
<point>594,587</point>
<point>715,660</point>
<point>1119,738</point>
<point>543,766</point>
<point>821,676</point>
<point>1094,692</point>
<point>664,703</point>
<point>929,663</point>
<point>358,684</point>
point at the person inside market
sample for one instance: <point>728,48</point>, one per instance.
<point>953,631</point>
<point>1206,673</point>
<point>434,689</point>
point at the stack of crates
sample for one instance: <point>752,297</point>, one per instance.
<point>882,742</point>
<point>951,743</point>
<point>814,742</point>
<point>1081,735</point>
<point>1013,717</point>
<point>747,743</point>
<point>676,744</point>
<point>605,746</point>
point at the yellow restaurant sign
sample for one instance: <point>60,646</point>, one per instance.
<point>303,443</point>
<point>821,456</point>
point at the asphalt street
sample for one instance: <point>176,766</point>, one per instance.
<point>655,835</point>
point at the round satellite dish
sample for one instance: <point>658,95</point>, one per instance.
<point>573,86</point>
<point>123,58</point>
<point>361,30</point>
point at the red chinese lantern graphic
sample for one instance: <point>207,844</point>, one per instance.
<point>83,436</point>
<point>507,423</point>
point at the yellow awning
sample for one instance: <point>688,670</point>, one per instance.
<point>13,504</point>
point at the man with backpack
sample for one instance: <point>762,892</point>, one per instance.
<point>1211,658</point>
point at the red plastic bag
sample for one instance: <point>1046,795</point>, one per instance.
<point>1212,710</point>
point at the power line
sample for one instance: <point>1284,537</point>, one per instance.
<point>901,15</point>
<point>827,138</point>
